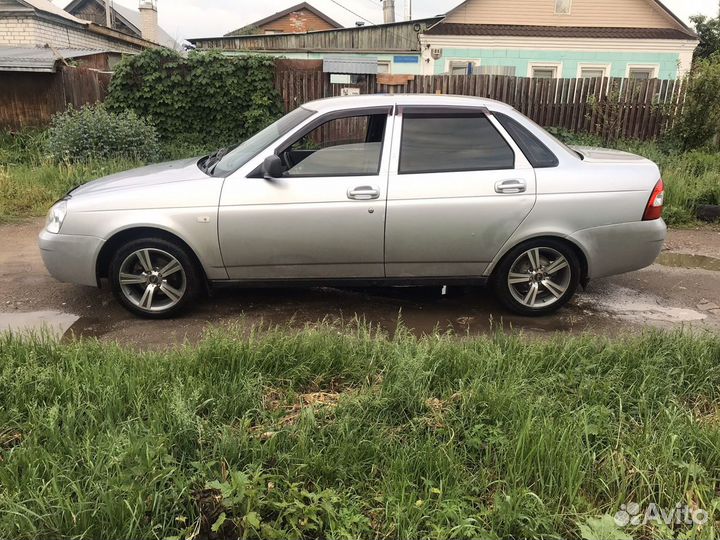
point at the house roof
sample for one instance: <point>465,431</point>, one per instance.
<point>279,14</point>
<point>132,19</point>
<point>457,29</point>
<point>38,59</point>
<point>683,28</point>
<point>391,37</point>
<point>48,7</point>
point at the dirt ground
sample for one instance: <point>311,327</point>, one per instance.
<point>683,290</point>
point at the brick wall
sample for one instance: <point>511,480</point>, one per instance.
<point>297,21</point>
<point>31,32</point>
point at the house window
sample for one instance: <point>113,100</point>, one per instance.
<point>461,67</point>
<point>593,71</point>
<point>642,73</point>
<point>562,7</point>
<point>383,67</point>
<point>496,70</point>
<point>544,71</point>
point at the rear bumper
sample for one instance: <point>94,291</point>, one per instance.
<point>70,258</point>
<point>617,249</point>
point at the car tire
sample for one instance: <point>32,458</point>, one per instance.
<point>155,278</point>
<point>537,277</point>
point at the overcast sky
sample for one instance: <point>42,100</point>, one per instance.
<point>206,18</point>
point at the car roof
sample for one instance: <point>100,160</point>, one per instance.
<point>380,100</point>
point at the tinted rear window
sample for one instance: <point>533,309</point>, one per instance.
<point>539,155</point>
<point>449,142</point>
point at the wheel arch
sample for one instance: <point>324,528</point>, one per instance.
<point>102,264</point>
<point>577,249</point>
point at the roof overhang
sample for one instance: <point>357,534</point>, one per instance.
<point>39,59</point>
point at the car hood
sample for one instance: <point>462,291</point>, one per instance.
<point>183,170</point>
<point>605,155</point>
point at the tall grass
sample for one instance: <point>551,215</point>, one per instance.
<point>347,434</point>
<point>30,182</point>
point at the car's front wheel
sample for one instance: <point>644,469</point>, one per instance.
<point>537,277</point>
<point>154,278</point>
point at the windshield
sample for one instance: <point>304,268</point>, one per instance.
<point>241,154</point>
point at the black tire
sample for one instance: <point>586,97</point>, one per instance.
<point>547,246</point>
<point>188,280</point>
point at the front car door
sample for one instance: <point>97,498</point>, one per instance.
<point>325,216</point>
<point>458,190</point>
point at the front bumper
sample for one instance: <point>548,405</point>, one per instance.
<point>70,258</point>
<point>626,247</point>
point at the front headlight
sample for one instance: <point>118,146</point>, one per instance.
<point>55,217</point>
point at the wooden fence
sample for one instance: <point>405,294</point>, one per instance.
<point>608,107</point>
<point>31,99</point>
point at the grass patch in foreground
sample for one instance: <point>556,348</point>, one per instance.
<point>346,434</point>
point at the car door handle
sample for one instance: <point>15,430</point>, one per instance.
<point>364,193</point>
<point>511,186</point>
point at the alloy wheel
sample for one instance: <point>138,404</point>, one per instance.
<point>539,277</point>
<point>152,280</point>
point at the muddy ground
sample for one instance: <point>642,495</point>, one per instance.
<point>682,290</point>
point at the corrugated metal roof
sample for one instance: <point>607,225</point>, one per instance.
<point>38,59</point>
<point>349,64</point>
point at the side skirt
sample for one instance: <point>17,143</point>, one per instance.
<point>358,282</point>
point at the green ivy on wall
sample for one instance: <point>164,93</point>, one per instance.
<point>204,96</point>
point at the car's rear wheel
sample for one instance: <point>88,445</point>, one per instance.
<point>154,278</point>
<point>537,277</point>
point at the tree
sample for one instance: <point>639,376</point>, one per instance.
<point>699,123</point>
<point>708,30</point>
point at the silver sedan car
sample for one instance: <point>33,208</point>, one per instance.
<point>386,190</point>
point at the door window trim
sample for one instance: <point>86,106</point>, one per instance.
<point>459,112</point>
<point>339,115</point>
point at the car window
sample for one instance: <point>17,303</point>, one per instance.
<point>535,151</point>
<point>241,154</point>
<point>344,146</point>
<point>448,142</point>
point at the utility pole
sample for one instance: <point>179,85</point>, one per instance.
<point>389,11</point>
<point>108,17</point>
<point>408,10</point>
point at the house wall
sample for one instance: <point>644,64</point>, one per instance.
<point>31,31</point>
<point>611,13</point>
<point>671,58</point>
<point>297,21</point>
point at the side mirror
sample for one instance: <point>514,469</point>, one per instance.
<point>272,167</point>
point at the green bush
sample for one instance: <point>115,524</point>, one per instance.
<point>699,123</point>
<point>93,133</point>
<point>205,97</point>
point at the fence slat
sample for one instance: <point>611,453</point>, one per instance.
<point>609,107</point>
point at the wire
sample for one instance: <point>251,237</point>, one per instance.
<point>354,13</point>
<point>409,40</point>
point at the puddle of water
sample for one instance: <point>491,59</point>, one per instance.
<point>55,322</point>
<point>685,260</point>
<point>628,304</point>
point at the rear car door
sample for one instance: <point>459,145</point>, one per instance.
<point>324,218</point>
<point>458,189</point>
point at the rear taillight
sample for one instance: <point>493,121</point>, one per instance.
<point>655,205</point>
